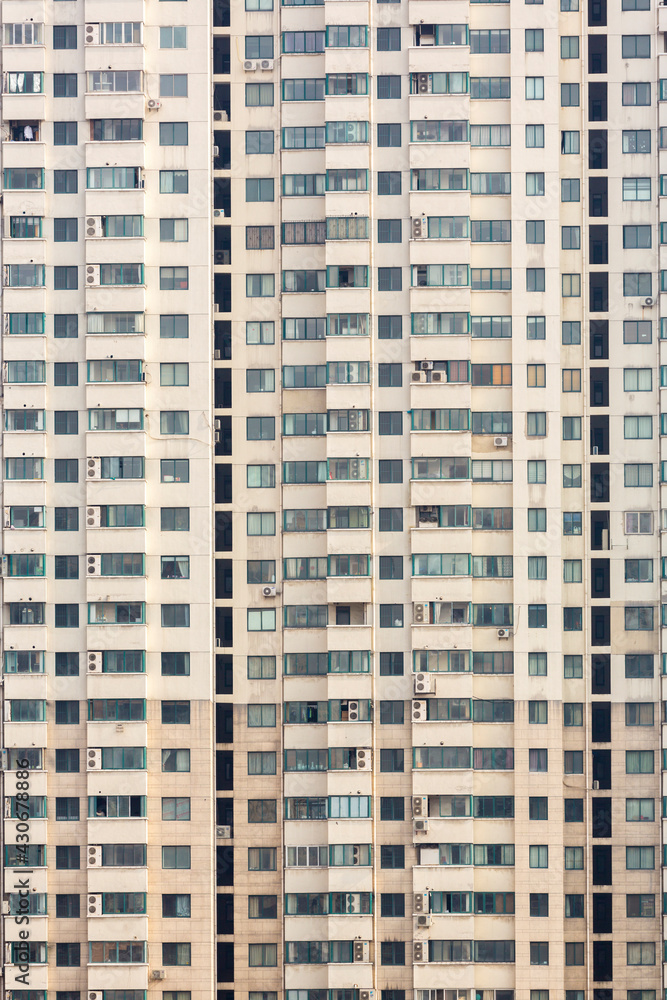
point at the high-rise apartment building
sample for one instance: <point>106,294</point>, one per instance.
<point>332,635</point>
<point>107,492</point>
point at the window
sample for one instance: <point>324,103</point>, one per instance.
<point>534,84</point>
<point>637,380</point>
<point>534,184</point>
<point>64,36</point>
<point>639,762</point>
<point>175,615</point>
<point>637,237</point>
<point>569,95</point>
<point>175,519</point>
<point>174,470</point>
<point>538,807</point>
<point>176,760</point>
<point>175,857</point>
<point>570,141</point>
<point>639,858</point>
<point>538,856</point>
<point>636,189</point>
<point>534,39</point>
<point>257,142</point>
<point>535,279</point>
<point>260,285</point>
<point>570,189</point>
<point>176,84</point>
<point>389,231</point>
<point>388,39</point>
<point>637,283</point>
<point>176,134</point>
<point>636,46</point>
<point>640,810</point>
<point>174,327</point>
<point>571,379</point>
<point>537,616</point>
<point>535,234</point>
<point>636,94</point>
<point>388,88</point>
<point>173,231</point>
<point>637,475</point>
<point>173,182</point>
<point>537,519</point>
<point>640,953</point>
<point>636,141</point>
<point>537,664</point>
<point>259,189</point>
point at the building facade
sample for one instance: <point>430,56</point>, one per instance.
<point>443,437</point>
<point>107,495</point>
<point>398,387</point>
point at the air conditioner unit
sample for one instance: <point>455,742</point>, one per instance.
<point>94,759</point>
<point>216,437</point>
<point>223,832</point>
<point>250,65</point>
<point>500,442</point>
<point>419,951</point>
<point>8,710</point>
<point>94,226</point>
<point>421,614</point>
<point>353,711</point>
<point>220,116</point>
<point>504,633</point>
<point>422,921</point>
<point>223,257</point>
<point>366,994</point>
<point>439,377</point>
<point>5,906</point>
<point>266,64</point>
<point>423,683</point>
<point>4,759</point>
<point>94,661</point>
<point>92,995</point>
<point>419,377</point>
<point>269,591</point>
<point>361,951</point>
<point>420,826</point>
<point>92,34</point>
<point>5,323</point>
<point>218,423</point>
<point>364,758</point>
<point>595,450</point>
<point>596,786</point>
<point>427,514</point>
<point>93,517</point>
<point>94,856</point>
<point>219,213</point>
<point>94,905</point>
<point>158,974</point>
<point>422,83</point>
<point>419,711</point>
<point>420,902</point>
<point>7,521</point>
<point>649,301</point>
<point>426,366</point>
<point>419,805</point>
<point>216,151</point>
<point>153,104</point>
<point>93,565</point>
<point>93,468</point>
<point>8,807</point>
<point>419,227</point>
<point>92,274</point>
<point>4,566</point>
